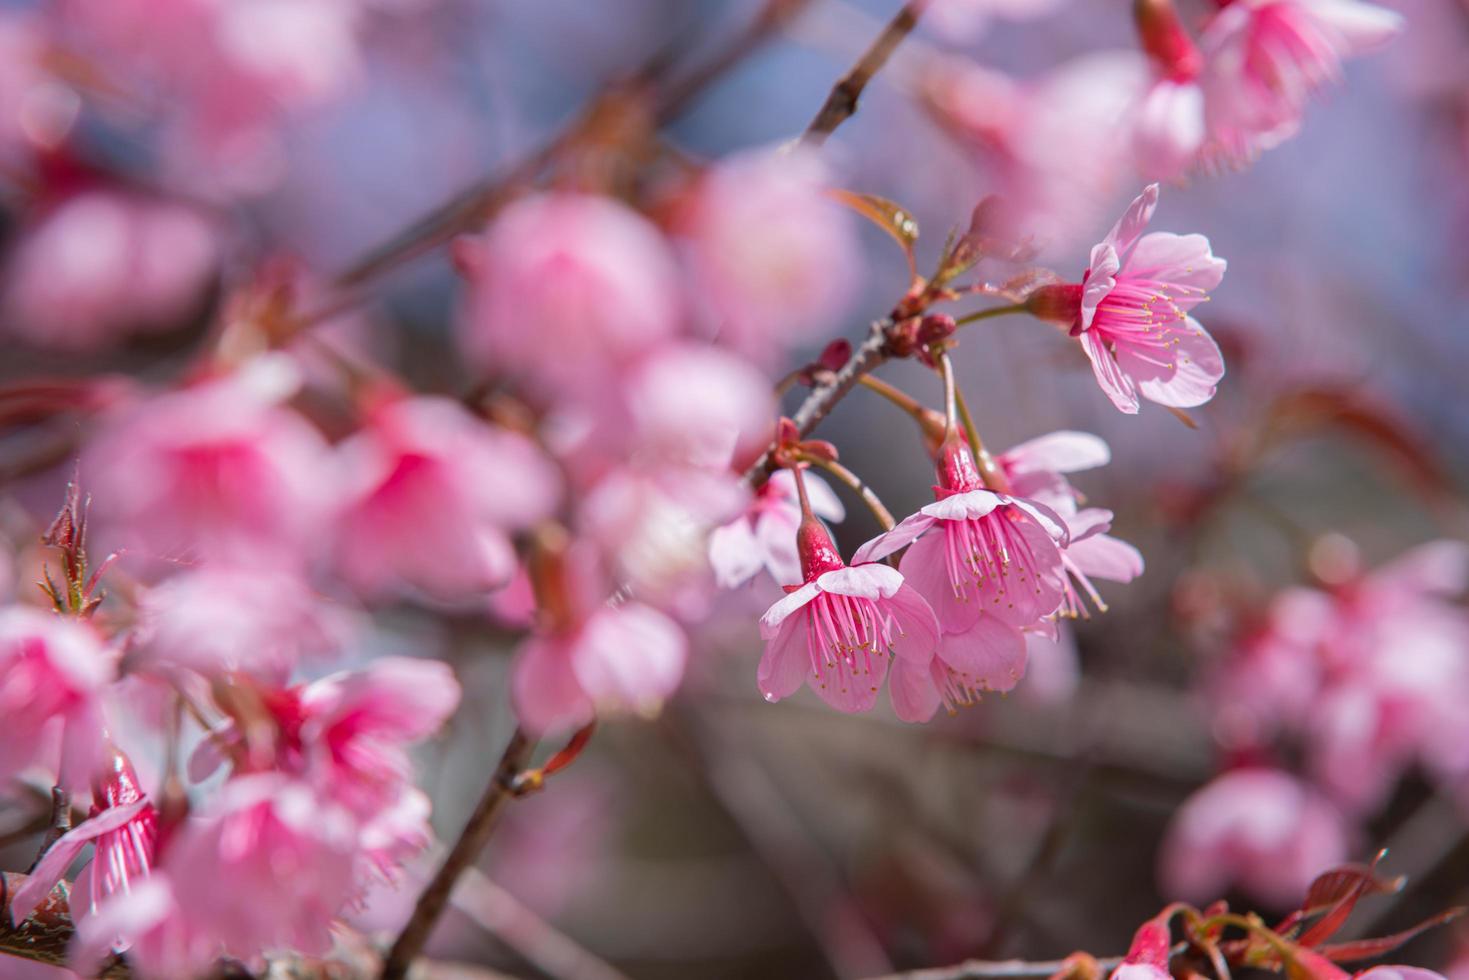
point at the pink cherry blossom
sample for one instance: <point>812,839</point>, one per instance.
<point>1168,127</point>
<point>54,672</point>
<point>628,658</point>
<point>565,287</point>
<point>1092,553</point>
<point>123,826</point>
<point>218,469</point>
<point>764,536</point>
<point>430,495</point>
<point>697,405</point>
<point>989,554</point>
<point>218,620</point>
<point>102,265</point>
<point>1266,58</point>
<point>1134,321</point>
<point>775,259</point>
<point>1259,829</point>
<point>988,656</point>
<point>260,836</point>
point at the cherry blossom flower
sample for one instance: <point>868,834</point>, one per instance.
<point>988,656</point>
<point>1260,829</point>
<point>1169,118</point>
<point>764,536</point>
<point>565,288</point>
<point>101,265</point>
<point>628,658</point>
<point>123,826</point>
<point>991,554</point>
<point>696,405</point>
<point>838,631</point>
<point>1266,58</point>
<point>219,469</point>
<point>775,259</point>
<point>54,672</point>
<point>263,835</point>
<point>219,620</point>
<point>429,496</point>
<point>1131,313</point>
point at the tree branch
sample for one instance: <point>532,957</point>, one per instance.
<point>841,103</point>
<point>465,852</point>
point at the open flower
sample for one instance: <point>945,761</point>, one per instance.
<point>123,824</point>
<point>1266,58</point>
<point>838,631</point>
<point>1131,312</point>
<point>989,554</point>
<point>53,674</point>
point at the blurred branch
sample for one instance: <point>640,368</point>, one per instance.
<point>995,970</point>
<point>465,852</point>
<point>746,791</point>
<point>841,103</point>
<point>507,918</point>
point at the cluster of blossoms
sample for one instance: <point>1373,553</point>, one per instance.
<point>1364,678</point>
<point>618,458</point>
<point>1178,105</point>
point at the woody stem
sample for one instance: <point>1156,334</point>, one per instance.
<point>859,487</point>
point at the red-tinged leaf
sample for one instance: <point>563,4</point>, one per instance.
<point>1335,894</point>
<point>1366,949</point>
<point>890,217</point>
<point>1306,964</point>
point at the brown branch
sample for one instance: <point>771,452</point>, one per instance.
<point>465,852</point>
<point>841,103</point>
<point>824,397</point>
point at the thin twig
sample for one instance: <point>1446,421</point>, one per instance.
<point>465,852</point>
<point>841,103</point>
<point>858,486</point>
<point>823,398</point>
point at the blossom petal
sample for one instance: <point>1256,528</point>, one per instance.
<point>867,580</point>
<point>1179,260</point>
<point>64,851</point>
<point>1114,383</point>
<point>734,553</point>
<point>544,688</point>
<point>786,605</point>
<point>786,661</point>
<point>1130,226</point>
<point>631,657</point>
<point>924,570</point>
<point>991,654</point>
<point>1058,452</point>
<point>1360,26</point>
<point>912,690</point>
<point>963,506</point>
<point>900,537</point>
<point>1106,557</point>
<point>1191,378</point>
<point>918,627</point>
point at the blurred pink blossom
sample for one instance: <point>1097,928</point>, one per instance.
<point>218,469</point>
<point>696,405</point>
<point>1265,58</point>
<point>628,658</point>
<point>764,536</point>
<point>564,289</point>
<point>1258,829</point>
<point>54,671</point>
<point>429,497</point>
<point>99,266</point>
<point>776,261</point>
<point>218,620</point>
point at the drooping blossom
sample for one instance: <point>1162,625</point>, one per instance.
<point>1131,312</point>
<point>566,288</point>
<point>1035,469</point>
<point>429,497</point>
<point>123,827</point>
<point>267,865</point>
<point>764,536</point>
<point>989,655</point>
<point>974,552</point>
<point>1169,117</point>
<point>1261,830</point>
<point>614,660</point>
<point>54,673</point>
<point>219,620</point>
<point>839,630</point>
<point>775,261</point>
<point>347,735</point>
<point>219,469</point>
<point>100,266</point>
<point>1266,58</point>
